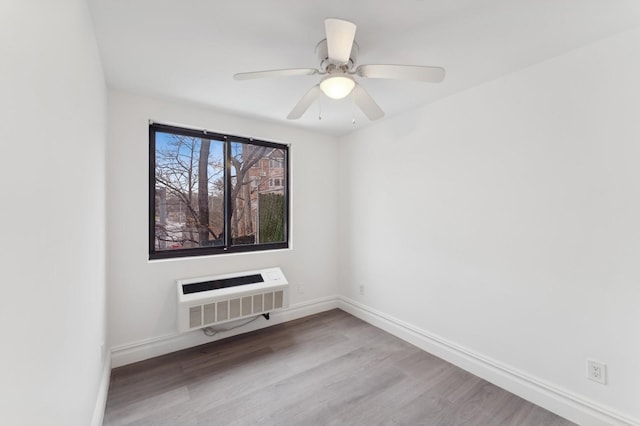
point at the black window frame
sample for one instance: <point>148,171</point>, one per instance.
<point>228,247</point>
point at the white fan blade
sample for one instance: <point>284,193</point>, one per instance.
<point>303,104</point>
<point>402,72</point>
<point>366,103</point>
<point>340,35</point>
<point>276,73</point>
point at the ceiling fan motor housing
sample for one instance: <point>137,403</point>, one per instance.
<point>328,66</point>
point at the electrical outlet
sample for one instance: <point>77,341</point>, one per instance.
<point>597,371</point>
<point>361,290</point>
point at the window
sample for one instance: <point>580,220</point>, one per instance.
<point>206,195</point>
<point>274,183</point>
<point>275,163</point>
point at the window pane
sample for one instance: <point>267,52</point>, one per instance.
<point>257,195</point>
<point>189,192</point>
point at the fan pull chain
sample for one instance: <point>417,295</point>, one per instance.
<point>319,109</point>
<point>353,108</point>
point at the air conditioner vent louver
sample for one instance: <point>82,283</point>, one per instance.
<point>207,301</point>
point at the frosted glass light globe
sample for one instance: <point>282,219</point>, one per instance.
<point>337,87</point>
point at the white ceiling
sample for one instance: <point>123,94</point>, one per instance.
<point>188,50</point>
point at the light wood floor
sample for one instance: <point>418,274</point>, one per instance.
<point>326,369</point>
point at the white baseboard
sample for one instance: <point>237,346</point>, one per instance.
<point>562,402</point>
<point>546,395</point>
<point>149,348</point>
<point>103,390</point>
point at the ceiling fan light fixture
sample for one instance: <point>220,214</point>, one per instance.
<point>337,87</point>
<point>337,56</point>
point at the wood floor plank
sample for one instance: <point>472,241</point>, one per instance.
<point>326,369</point>
<point>143,409</point>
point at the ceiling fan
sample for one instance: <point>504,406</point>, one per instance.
<point>337,54</point>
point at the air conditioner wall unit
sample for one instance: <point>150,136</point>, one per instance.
<point>212,300</point>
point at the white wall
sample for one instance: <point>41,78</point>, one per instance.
<point>142,293</point>
<point>52,215</point>
<point>505,219</point>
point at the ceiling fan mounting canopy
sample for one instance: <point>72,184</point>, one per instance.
<point>337,54</point>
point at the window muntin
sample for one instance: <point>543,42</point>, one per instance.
<point>207,196</point>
